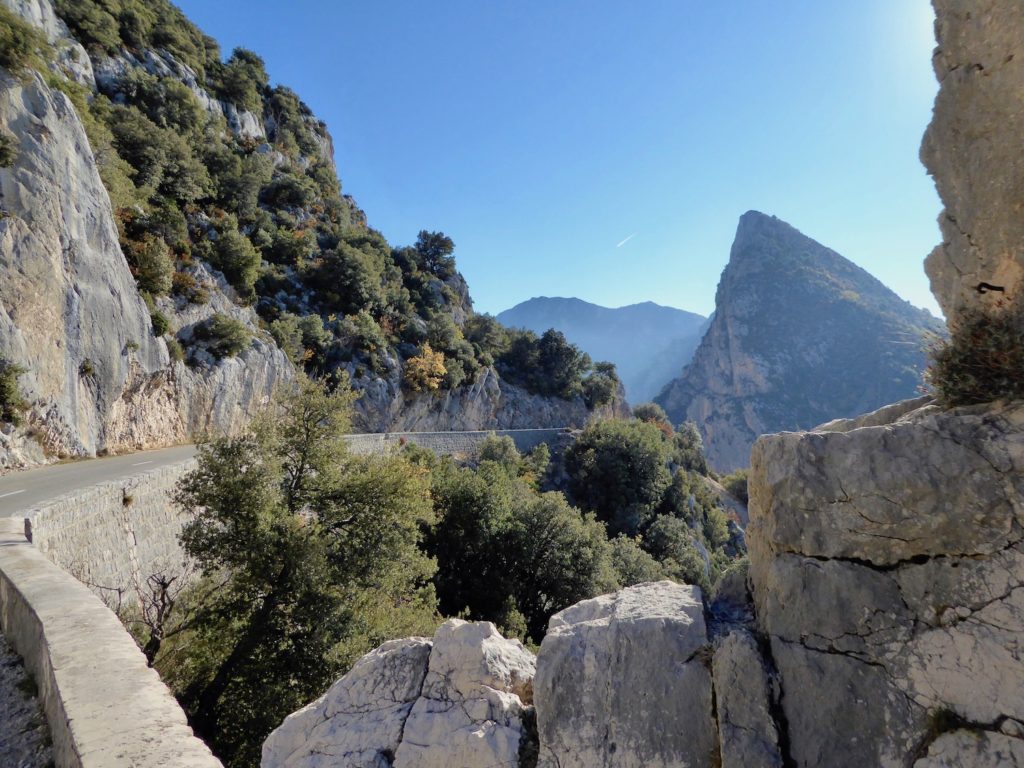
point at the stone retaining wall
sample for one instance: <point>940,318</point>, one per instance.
<point>105,706</point>
<point>451,443</point>
<point>113,536</point>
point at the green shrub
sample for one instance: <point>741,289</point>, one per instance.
<point>234,255</point>
<point>736,484</point>
<point>161,324</point>
<point>185,285</point>
<point>19,42</point>
<point>12,402</point>
<point>151,264</point>
<point>8,149</point>
<point>224,336</point>
<point>983,359</point>
<point>174,349</point>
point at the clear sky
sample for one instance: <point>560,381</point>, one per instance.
<point>606,149</point>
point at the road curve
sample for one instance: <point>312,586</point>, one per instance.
<point>21,490</point>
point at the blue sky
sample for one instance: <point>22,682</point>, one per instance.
<point>540,134</point>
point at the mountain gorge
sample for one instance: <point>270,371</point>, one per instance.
<point>648,343</point>
<point>800,336</point>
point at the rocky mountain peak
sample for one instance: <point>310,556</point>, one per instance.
<point>800,335</point>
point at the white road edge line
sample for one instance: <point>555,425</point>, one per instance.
<point>141,463</point>
<point>11,493</point>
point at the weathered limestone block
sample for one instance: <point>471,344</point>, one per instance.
<point>971,749</point>
<point>457,700</point>
<point>621,682</point>
<point>973,149</point>
<point>887,566</point>
<point>470,710</point>
<point>358,723</point>
<point>748,736</point>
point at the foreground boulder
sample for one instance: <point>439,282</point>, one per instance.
<point>621,682</point>
<point>887,566</point>
<point>455,701</point>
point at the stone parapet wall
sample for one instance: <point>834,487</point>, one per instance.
<point>113,536</point>
<point>451,443</point>
<point>104,705</point>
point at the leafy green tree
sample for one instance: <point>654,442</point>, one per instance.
<point>617,470</point>
<point>435,250</point>
<point>688,449</point>
<point>632,564</point>
<point>501,450</point>
<point>557,558</point>
<point>309,546</point>
<point>244,80</point>
<point>601,386</point>
<point>672,542</point>
<point>652,413</point>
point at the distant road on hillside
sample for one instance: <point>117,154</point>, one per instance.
<point>21,490</point>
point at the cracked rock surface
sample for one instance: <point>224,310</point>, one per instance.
<point>621,682</point>
<point>24,734</point>
<point>973,149</point>
<point>888,576</point>
<point>456,700</point>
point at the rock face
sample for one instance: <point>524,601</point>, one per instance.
<point>972,148</point>
<point>458,700</point>
<point>800,335</point>
<point>70,313</point>
<point>648,343</point>
<point>888,574</point>
<point>620,682</point>
<point>487,403</point>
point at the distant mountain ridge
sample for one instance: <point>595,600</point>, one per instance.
<point>800,336</point>
<point>648,343</point>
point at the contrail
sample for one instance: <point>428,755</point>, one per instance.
<point>626,240</point>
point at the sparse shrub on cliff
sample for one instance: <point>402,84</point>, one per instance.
<point>224,335</point>
<point>151,264</point>
<point>983,359</point>
<point>8,149</point>
<point>12,402</point>
<point>20,43</point>
<point>736,484</point>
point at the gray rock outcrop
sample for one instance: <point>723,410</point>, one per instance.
<point>972,149</point>
<point>486,403</point>
<point>621,682</point>
<point>888,575</point>
<point>800,335</point>
<point>70,313</point>
<point>457,700</point>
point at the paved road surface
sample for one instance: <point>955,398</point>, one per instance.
<point>20,490</point>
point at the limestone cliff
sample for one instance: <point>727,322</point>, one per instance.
<point>800,335</point>
<point>105,370</point>
<point>97,378</point>
<point>973,150</point>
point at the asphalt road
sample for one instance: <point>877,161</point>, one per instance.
<point>21,490</point>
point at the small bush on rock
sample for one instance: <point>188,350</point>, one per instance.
<point>8,149</point>
<point>983,359</point>
<point>12,403</point>
<point>225,336</point>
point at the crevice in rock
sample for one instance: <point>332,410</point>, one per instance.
<point>776,693</point>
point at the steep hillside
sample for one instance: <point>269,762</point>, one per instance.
<point>800,336</point>
<point>175,243</point>
<point>648,343</point>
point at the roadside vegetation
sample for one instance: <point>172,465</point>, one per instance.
<point>304,556</point>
